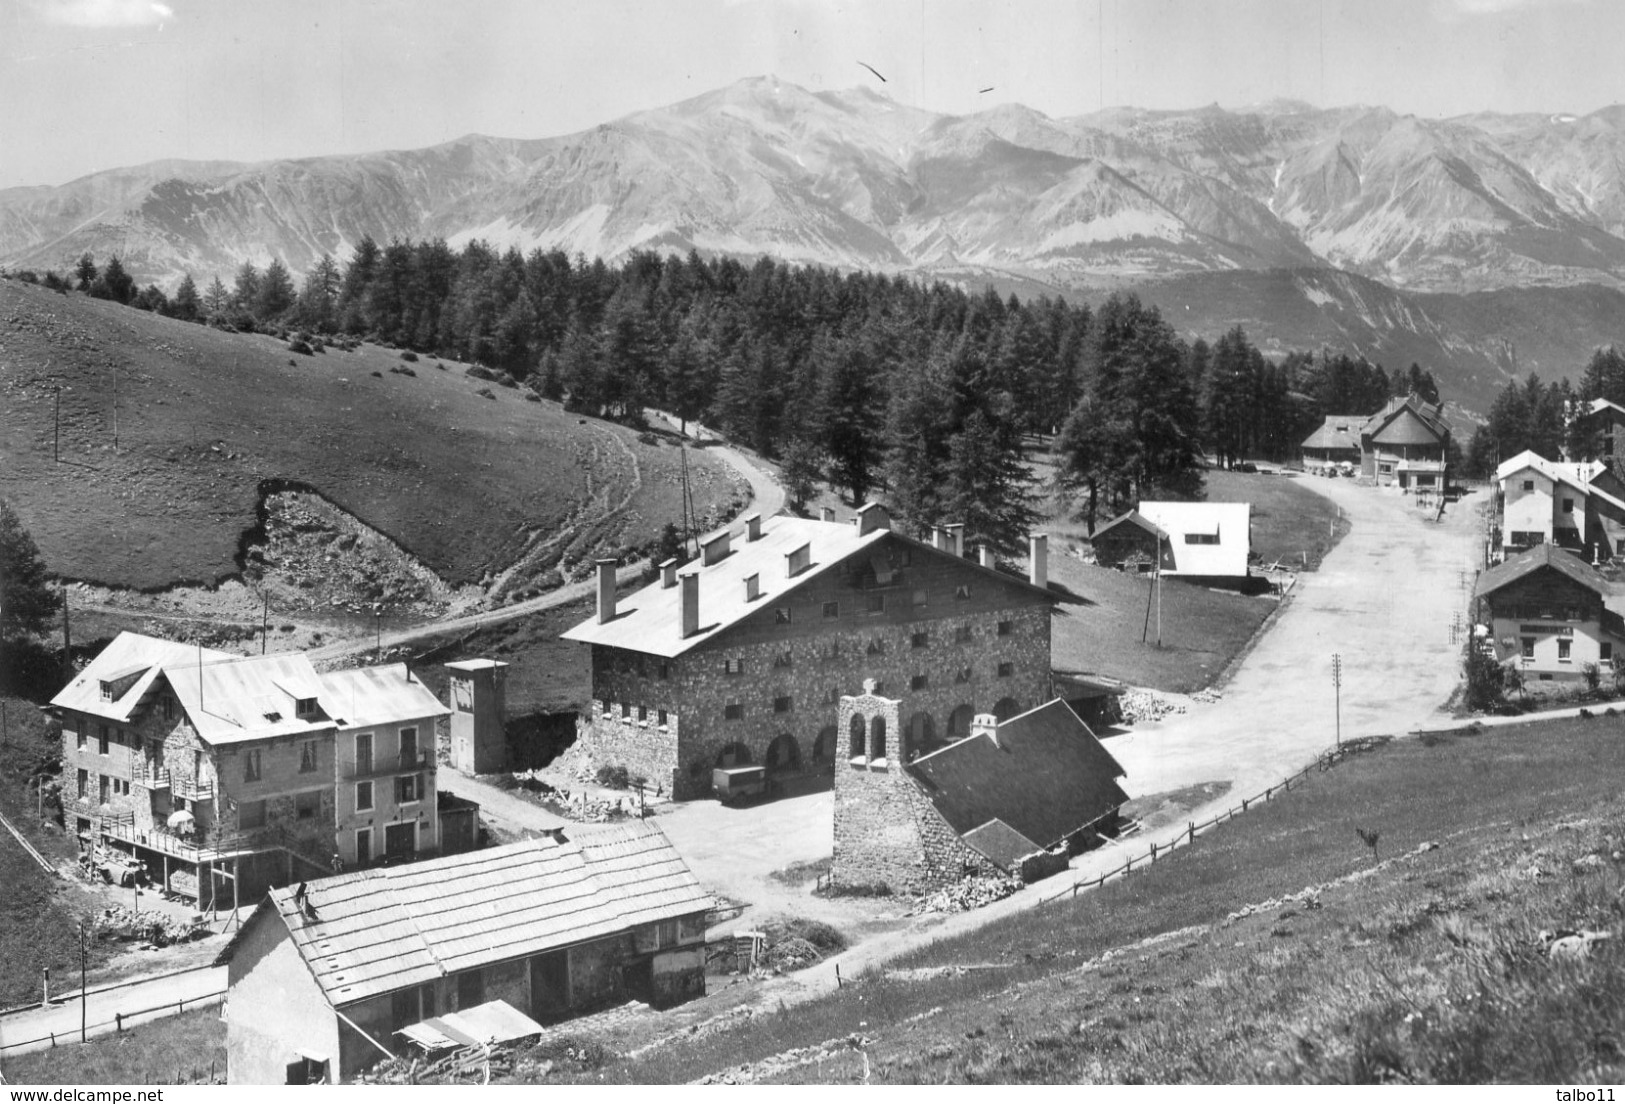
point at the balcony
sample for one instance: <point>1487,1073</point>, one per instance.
<point>379,765</point>
<point>192,789</point>
<point>150,776</point>
<point>168,843</point>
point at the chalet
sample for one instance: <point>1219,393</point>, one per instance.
<point>1200,540</point>
<point>744,657</point>
<point>322,978</point>
<point>223,775</point>
<point>1578,506</point>
<point>1405,444</point>
<point>1602,424</point>
<point>1548,611</point>
<point>1334,443</point>
<point>1014,797</point>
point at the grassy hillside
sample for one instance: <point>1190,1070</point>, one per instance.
<point>465,481</point>
<point>1276,949</point>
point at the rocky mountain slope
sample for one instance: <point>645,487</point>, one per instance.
<point>853,179</point>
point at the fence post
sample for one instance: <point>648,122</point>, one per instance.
<point>1128,866</point>
<point>1153,851</point>
<point>1244,802</point>
<point>1192,830</point>
<point>837,975</point>
<point>1269,793</point>
<point>118,1022</point>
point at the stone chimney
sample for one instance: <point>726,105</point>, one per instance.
<point>956,538</point>
<point>753,587</point>
<point>985,724</point>
<point>984,555</point>
<point>668,574</point>
<point>1038,560</point>
<point>753,528</point>
<point>689,600</point>
<point>872,517</point>
<point>826,513</point>
<point>713,548</point>
<point>606,591</point>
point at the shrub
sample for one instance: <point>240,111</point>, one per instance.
<point>408,355</point>
<point>1486,679</point>
<point>613,775</point>
<point>300,346</point>
<point>380,375</point>
<point>1593,676</point>
<point>487,393</point>
<point>480,372</point>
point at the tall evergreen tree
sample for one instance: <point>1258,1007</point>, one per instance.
<point>85,272</point>
<point>27,602</point>
<point>275,294</point>
<point>185,305</point>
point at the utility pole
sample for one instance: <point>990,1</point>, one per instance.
<point>1159,592</point>
<point>1337,689</point>
<point>265,622</point>
<point>84,983</point>
<point>56,432</point>
<point>115,407</point>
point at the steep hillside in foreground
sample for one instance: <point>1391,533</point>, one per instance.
<point>463,474</point>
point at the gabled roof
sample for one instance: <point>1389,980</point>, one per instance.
<point>1430,415</point>
<point>248,697</point>
<point>128,654</point>
<point>649,620</point>
<point>1135,518</point>
<point>1000,844</point>
<point>1227,519</point>
<point>1531,560</point>
<point>1578,475</point>
<point>365,696</point>
<point>1044,778</point>
<point>377,931</point>
<point>1407,427</point>
<point>1340,431</point>
<point>1597,406</point>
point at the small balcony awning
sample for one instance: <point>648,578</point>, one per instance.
<point>492,1022</point>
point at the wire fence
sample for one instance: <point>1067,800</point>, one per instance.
<point>1322,762</point>
<point>119,1022</point>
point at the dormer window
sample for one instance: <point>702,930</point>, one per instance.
<point>107,690</point>
<point>305,707</point>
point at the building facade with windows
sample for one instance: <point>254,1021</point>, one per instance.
<point>222,775</point>
<point>1406,444</point>
<point>1549,612</point>
<point>743,656</point>
<point>1575,505</point>
<point>1200,540</point>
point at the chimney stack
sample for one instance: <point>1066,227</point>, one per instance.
<point>668,574</point>
<point>1038,560</point>
<point>826,513</point>
<point>939,537</point>
<point>872,517</point>
<point>753,587</point>
<point>956,538</point>
<point>985,724</point>
<point>689,599</point>
<point>984,555</point>
<point>753,528</point>
<point>606,591</point>
<point>713,548</point>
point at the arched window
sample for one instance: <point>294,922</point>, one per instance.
<point>877,738</point>
<point>1005,708</point>
<point>783,753</point>
<point>959,722</point>
<point>824,745</point>
<point>922,734</point>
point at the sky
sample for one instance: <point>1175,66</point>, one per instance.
<point>87,85</point>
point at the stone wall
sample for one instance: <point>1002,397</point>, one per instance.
<point>954,668</point>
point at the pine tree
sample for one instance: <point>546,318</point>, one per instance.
<point>27,602</point>
<point>850,415</point>
<point>217,300</point>
<point>275,294</point>
<point>185,305</point>
<point>803,468</point>
<point>85,272</point>
<point>988,487</point>
<point>317,307</point>
<point>246,291</point>
<point>358,277</point>
<point>114,283</point>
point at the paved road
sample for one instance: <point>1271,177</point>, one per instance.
<point>767,498</point>
<point>22,1032</point>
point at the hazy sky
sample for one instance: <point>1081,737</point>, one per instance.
<point>94,84</point>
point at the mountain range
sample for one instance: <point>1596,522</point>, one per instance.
<point>1323,204</point>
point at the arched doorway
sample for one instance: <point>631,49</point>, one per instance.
<point>1005,708</point>
<point>783,753</point>
<point>922,733</point>
<point>824,745</point>
<point>734,755</point>
<point>959,721</point>
<point>859,733</point>
<point>877,738</point>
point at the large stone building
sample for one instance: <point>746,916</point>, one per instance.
<point>223,775</point>
<point>744,656</point>
<point>1548,612</point>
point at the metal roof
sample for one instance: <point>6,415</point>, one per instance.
<point>1423,416</point>
<point>1340,431</point>
<point>494,1021</point>
<point>248,697</point>
<point>1000,844</point>
<point>376,931</point>
<point>127,653</point>
<point>475,664</point>
<point>1531,560</point>
<point>1231,522</point>
<point>1133,517</point>
<point>365,696</point>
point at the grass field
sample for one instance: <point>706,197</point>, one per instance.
<point>465,482</point>
<point>1277,948</point>
<point>189,1045</point>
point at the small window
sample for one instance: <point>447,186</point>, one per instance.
<point>408,788</point>
<point>307,757</point>
<point>107,690</point>
<point>84,782</point>
<point>962,592</point>
<point>918,682</point>
<point>1006,670</point>
<point>643,713</point>
<point>305,707</point>
<point>251,765</point>
<point>1568,505</point>
<point>1528,647</point>
<point>660,718</point>
<point>363,796</point>
<point>1606,652</point>
<point>781,615</point>
<point>626,711</point>
<point>82,740</point>
<point>832,610</point>
<point>962,675</point>
<point>103,737</point>
<point>663,670</point>
<point>1528,484</point>
<point>169,708</point>
<point>733,711</point>
<point>876,647</point>
<point>1619,546</point>
<point>832,696</point>
<point>1563,651</point>
<point>781,705</point>
<point>307,805</point>
<point>920,640</point>
<point>1004,628</point>
<point>251,814</point>
<point>963,635</point>
<point>876,603</point>
<point>733,666</point>
<point>783,659</point>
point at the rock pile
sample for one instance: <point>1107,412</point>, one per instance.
<point>969,893</point>
<point>128,926</point>
<point>1140,705</point>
